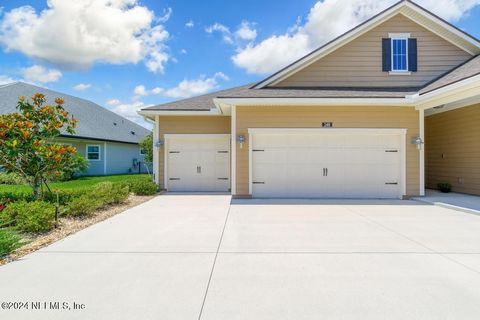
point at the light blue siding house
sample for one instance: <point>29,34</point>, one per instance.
<point>109,141</point>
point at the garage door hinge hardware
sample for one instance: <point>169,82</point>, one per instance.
<point>174,178</point>
<point>222,178</point>
<point>391,150</point>
<point>258,150</point>
<point>258,182</point>
<point>391,182</point>
<point>174,152</point>
<point>222,151</point>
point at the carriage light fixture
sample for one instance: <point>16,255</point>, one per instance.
<point>241,140</point>
<point>159,143</point>
<point>418,142</point>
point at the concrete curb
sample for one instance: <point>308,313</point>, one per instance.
<point>449,206</point>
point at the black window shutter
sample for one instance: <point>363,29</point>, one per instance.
<point>387,54</point>
<point>412,55</point>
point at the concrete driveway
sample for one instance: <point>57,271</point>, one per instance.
<point>201,257</point>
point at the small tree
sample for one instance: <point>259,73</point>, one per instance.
<point>26,140</point>
<point>147,146</point>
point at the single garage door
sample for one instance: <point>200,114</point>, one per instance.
<point>327,163</point>
<point>197,163</point>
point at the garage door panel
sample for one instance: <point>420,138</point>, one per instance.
<point>357,165</point>
<point>198,163</point>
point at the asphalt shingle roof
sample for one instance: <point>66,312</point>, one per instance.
<point>467,70</point>
<point>205,102</point>
<point>94,121</point>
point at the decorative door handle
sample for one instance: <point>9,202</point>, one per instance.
<point>326,170</point>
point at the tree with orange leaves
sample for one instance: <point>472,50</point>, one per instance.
<point>26,140</point>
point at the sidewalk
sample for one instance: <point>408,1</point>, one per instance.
<point>459,201</point>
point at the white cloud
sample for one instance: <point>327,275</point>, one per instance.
<point>183,51</point>
<point>77,34</point>
<point>190,24</point>
<point>189,88</point>
<point>157,90</point>
<point>140,90</point>
<point>113,102</point>
<point>222,29</point>
<point>246,31</point>
<point>129,111</point>
<point>167,13</point>
<point>326,20</point>
<point>5,80</point>
<point>40,74</point>
<point>82,86</point>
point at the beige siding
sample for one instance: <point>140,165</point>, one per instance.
<point>189,125</point>
<point>359,63</point>
<point>342,117</point>
<point>452,144</point>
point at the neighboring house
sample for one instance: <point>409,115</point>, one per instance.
<point>355,118</point>
<point>107,140</point>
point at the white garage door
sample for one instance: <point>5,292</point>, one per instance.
<point>327,163</point>
<point>198,163</point>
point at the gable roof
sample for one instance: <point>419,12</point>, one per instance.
<point>407,8</point>
<point>466,70</point>
<point>94,121</point>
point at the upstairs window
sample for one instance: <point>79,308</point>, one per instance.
<point>399,54</point>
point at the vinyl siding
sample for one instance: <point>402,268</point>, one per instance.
<point>454,134</point>
<point>119,156</point>
<point>342,117</point>
<point>359,62</point>
<point>189,125</point>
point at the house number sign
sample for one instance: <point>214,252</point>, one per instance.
<point>327,124</point>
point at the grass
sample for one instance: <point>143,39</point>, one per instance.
<point>77,184</point>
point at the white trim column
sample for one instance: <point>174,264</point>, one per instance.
<point>156,151</point>
<point>233,148</point>
<point>105,158</point>
<point>421,115</point>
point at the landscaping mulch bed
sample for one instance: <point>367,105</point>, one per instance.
<point>68,226</point>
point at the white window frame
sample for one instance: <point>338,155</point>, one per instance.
<point>399,36</point>
<point>99,152</point>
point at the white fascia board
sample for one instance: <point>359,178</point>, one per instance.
<point>400,102</point>
<point>460,90</point>
<point>445,25</point>
<point>394,131</point>
<point>153,113</point>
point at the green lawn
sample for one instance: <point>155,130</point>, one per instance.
<point>80,183</point>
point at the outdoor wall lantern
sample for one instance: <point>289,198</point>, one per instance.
<point>159,143</point>
<point>418,142</point>
<point>241,140</point>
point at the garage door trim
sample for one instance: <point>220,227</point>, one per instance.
<point>170,136</point>
<point>358,131</point>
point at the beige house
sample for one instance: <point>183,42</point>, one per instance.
<point>383,111</point>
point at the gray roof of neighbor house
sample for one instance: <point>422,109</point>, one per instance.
<point>94,121</point>
<point>467,70</point>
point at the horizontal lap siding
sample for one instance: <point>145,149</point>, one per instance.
<point>359,63</point>
<point>456,135</point>
<point>189,125</point>
<point>342,117</point>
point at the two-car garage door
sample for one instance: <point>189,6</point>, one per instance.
<point>327,163</point>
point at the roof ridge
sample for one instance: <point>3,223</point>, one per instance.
<point>99,107</point>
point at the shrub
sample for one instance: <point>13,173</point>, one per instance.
<point>35,216</point>
<point>9,241</point>
<point>444,187</point>
<point>79,164</point>
<point>82,206</point>
<point>11,178</point>
<point>143,187</point>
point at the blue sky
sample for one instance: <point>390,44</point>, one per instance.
<point>126,54</point>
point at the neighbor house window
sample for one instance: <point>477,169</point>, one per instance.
<point>399,54</point>
<point>93,152</point>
